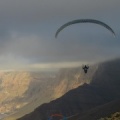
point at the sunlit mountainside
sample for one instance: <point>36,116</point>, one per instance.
<point>13,86</point>
<point>19,88</point>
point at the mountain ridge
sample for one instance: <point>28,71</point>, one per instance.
<point>57,85</point>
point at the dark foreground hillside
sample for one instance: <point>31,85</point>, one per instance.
<point>104,88</point>
<point>115,116</point>
<point>99,112</point>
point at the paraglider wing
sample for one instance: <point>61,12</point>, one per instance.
<point>57,115</point>
<point>84,21</point>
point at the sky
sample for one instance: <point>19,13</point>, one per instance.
<point>28,27</point>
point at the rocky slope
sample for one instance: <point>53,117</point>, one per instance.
<point>18,89</point>
<point>12,87</point>
<point>104,87</point>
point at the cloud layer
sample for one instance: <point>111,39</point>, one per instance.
<point>28,28</point>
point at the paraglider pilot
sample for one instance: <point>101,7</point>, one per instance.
<point>85,68</point>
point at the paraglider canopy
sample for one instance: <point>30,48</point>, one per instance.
<point>85,21</point>
<point>57,116</point>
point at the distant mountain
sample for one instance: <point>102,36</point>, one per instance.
<point>44,88</point>
<point>18,89</point>
<point>103,88</point>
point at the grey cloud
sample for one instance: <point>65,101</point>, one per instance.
<point>28,27</point>
<point>38,49</point>
<point>39,10</point>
